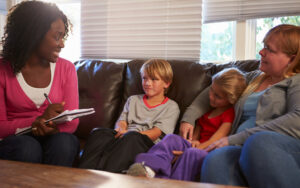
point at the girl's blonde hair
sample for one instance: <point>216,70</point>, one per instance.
<point>232,82</point>
<point>287,40</point>
<point>160,67</point>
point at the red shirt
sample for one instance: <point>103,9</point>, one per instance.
<point>210,125</point>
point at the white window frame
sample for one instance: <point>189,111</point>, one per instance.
<point>245,40</point>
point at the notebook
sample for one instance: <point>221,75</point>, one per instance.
<point>67,115</point>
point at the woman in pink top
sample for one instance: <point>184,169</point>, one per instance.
<point>33,37</point>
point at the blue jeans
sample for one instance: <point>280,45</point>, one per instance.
<point>221,166</point>
<point>58,149</point>
<point>267,159</point>
<point>270,159</point>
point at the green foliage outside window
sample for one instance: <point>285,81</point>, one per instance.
<point>217,42</point>
<point>265,24</point>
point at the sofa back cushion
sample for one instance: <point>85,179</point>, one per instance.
<point>100,86</point>
<point>106,85</point>
<point>245,66</point>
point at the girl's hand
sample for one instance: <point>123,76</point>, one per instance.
<point>195,143</point>
<point>39,128</point>
<point>176,155</point>
<point>218,144</point>
<point>53,110</point>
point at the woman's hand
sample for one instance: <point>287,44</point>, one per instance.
<point>53,110</point>
<point>39,127</point>
<point>218,144</point>
<point>186,130</point>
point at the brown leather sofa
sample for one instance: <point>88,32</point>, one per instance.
<point>105,85</point>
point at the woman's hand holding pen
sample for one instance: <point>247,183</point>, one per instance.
<point>40,128</point>
<point>53,110</point>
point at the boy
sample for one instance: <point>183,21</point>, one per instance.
<point>144,121</point>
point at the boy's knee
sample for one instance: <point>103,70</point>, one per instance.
<point>99,132</point>
<point>132,136</point>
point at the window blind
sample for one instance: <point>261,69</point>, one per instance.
<point>169,29</point>
<point>230,10</point>
<point>2,7</point>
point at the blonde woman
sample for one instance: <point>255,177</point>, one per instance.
<point>264,148</point>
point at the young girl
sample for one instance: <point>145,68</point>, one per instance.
<point>177,158</point>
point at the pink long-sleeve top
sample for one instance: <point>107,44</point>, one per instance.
<point>17,110</point>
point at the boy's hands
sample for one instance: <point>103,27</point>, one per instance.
<point>121,128</point>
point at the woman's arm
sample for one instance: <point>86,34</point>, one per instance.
<point>198,107</point>
<point>10,96</point>
<point>70,93</point>
<point>286,121</point>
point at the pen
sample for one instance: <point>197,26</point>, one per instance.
<point>45,94</point>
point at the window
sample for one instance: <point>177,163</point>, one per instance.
<point>217,42</point>
<point>244,32</point>
<point>224,36</point>
<point>71,9</point>
<point>265,24</point>
<point>2,18</point>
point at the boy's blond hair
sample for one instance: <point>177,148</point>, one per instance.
<point>160,67</point>
<point>232,82</point>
